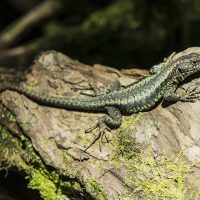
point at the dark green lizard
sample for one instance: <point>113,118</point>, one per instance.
<point>140,96</point>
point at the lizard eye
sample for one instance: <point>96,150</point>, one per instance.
<point>194,62</point>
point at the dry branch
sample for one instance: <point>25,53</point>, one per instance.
<point>21,26</point>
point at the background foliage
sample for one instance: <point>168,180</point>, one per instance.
<point>127,34</point>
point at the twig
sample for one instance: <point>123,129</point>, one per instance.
<point>20,27</point>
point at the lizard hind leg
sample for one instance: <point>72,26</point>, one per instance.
<point>112,120</point>
<point>96,91</point>
<point>114,86</point>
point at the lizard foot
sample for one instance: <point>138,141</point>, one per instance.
<point>190,95</point>
<point>102,128</point>
<point>113,120</point>
<point>96,91</point>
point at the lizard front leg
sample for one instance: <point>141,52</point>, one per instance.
<point>190,95</point>
<point>112,120</point>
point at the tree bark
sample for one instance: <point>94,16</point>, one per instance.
<point>153,154</point>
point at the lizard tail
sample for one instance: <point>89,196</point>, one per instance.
<point>58,102</point>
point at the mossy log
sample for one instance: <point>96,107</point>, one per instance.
<point>153,154</point>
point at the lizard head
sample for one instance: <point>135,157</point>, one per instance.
<point>189,64</point>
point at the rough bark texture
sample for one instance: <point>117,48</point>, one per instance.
<point>152,154</point>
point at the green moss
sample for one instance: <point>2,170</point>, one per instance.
<point>19,153</point>
<point>50,184</point>
<point>47,142</point>
<point>132,121</point>
<point>83,139</point>
<point>124,142</point>
<point>124,145</point>
<point>5,114</point>
<point>24,125</point>
<point>158,178</point>
<point>47,188</point>
<point>151,177</point>
<point>10,148</point>
<point>31,85</point>
<point>97,189</point>
<point>12,118</point>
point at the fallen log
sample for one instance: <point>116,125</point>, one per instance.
<point>153,154</point>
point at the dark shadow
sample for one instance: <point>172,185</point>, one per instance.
<point>14,185</point>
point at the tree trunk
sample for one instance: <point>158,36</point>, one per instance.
<point>153,155</point>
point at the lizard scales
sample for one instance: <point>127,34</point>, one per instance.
<point>139,96</point>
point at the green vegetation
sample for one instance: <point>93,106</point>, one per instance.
<point>111,17</point>
<point>20,154</point>
<point>116,34</point>
<point>47,188</point>
<point>31,85</point>
<point>97,189</point>
<point>153,177</point>
<point>163,178</point>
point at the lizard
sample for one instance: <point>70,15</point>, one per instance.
<point>137,97</point>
